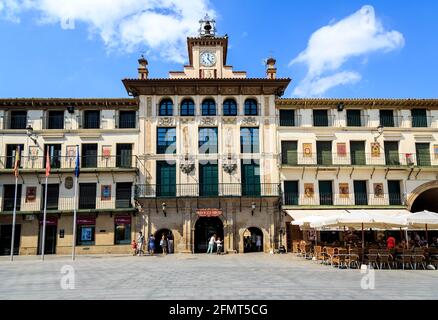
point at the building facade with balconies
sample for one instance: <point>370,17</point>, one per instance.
<point>357,154</point>
<point>107,133</point>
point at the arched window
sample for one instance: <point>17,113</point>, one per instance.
<point>208,107</point>
<point>187,107</point>
<point>230,107</point>
<point>251,107</point>
<point>166,108</point>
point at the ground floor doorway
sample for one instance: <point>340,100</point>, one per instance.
<point>205,228</point>
<point>5,239</point>
<point>50,241</point>
<point>158,236</point>
<point>252,240</point>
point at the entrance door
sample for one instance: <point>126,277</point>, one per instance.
<point>5,239</point>
<point>205,228</point>
<point>291,193</point>
<point>391,153</point>
<point>360,193</point>
<point>166,179</point>
<point>423,154</point>
<point>50,242</point>
<point>325,193</point>
<point>158,235</point>
<point>394,192</point>
<point>324,153</point>
<point>208,180</point>
<point>357,151</point>
<point>253,240</point>
<point>250,178</point>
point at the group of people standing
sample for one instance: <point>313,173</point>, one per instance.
<point>166,244</point>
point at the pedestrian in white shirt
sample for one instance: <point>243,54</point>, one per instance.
<point>219,245</point>
<point>211,244</point>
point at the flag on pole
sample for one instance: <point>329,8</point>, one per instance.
<point>48,168</point>
<point>77,167</point>
<point>17,161</point>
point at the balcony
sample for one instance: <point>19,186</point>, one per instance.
<point>15,121</point>
<point>387,121</point>
<point>290,121</point>
<point>423,122</point>
<point>206,191</point>
<point>323,120</point>
<point>341,200</point>
<point>353,120</point>
<point>360,159</point>
<point>38,163</point>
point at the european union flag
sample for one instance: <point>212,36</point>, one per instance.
<point>77,167</point>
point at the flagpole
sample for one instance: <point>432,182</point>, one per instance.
<point>44,221</point>
<point>74,221</point>
<point>14,219</point>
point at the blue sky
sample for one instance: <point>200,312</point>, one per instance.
<point>41,56</point>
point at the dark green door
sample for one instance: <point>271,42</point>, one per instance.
<point>325,193</point>
<point>250,178</point>
<point>394,192</point>
<point>360,193</point>
<point>208,180</point>
<point>423,154</point>
<point>357,151</point>
<point>289,152</point>
<point>391,153</point>
<point>6,239</point>
<point>419,118</point>
<point>291,193</point>
<point>353,118</point>
<point>320,118</point>
<point>166,179</point>
<point>387,118</point>
<point>324,152</point>
<point>124,155</point>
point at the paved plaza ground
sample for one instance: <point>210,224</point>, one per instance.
<point>182,276</point>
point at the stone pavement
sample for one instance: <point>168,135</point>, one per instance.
<point>185,276</point>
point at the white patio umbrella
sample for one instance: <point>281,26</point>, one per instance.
<point>305,222</point>
<point>422,220</point>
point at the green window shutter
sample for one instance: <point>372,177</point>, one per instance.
<point>289,152</point>
<point>291,193</point>
<point>324,152</point>
<point>387,118</point>
<point>325,193</point>
<point>360,193</point>
<point>166,179</point>
<point>357,152</point>
<point>208,180</point>
<point>320,118</point>
<point>287,118</point>
<point>423,154</point>
<point>250,178</point>
<point>353,118</point>
<point>419,118</point>
<point>394,192</point>
<point>392,156</point>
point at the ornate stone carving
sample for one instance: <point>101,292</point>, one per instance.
<point>229,120</point>
<point>250,121</point>
<point>208,121</point>
<point>229,164</point>
<point>185,120</point>
<point>166,121</point>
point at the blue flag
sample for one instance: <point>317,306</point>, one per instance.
<point>77,167</point>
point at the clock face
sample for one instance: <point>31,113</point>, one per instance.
<point>208,59</point>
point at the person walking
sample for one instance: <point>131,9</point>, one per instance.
<point>211,244</point>
<point>170,242</point>
<point>163,243</point>
<point>259,243</point>
<point>151,245</point>
<point>218,245</point>
<point>134,247</point>
<point>140,243</point>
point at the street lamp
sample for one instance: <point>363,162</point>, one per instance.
<point>163,207</point>
<point>380,132</point>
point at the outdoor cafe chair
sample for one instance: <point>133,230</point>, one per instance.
<point>340,258</point>
<point>373,256</point>
<point>433,257</point>
<point>330,252</point>
<point>353,258</point>
<point>296,247</point>
<point>317,253</point>
<point>405,259</point>
<point>419,259</point>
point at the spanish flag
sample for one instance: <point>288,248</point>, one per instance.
<point>17,161</point>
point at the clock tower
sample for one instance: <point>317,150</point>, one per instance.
<point>207,55</point>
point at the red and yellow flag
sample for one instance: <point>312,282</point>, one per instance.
<point>48,168</point>
<point>17,161</point>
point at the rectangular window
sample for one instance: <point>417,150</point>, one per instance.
<point>250,178</point>
<point>91,119</point>
<point>123,195</point>
<point>354,118</point>
<point>360,193</point>
<point>18,120</point>
<point>419,118</point>
<point>249,140</point>
<point>324,153</point>
<point>208,180</point>
<point>124,155</point>
<point>394,192</point>
<point>127,120</point>
<point>423,154</point>
<point>89,155</point>
<point>87,196</point>
<point>357,152</point>
<point>52,196</point>
<point>392,156</point>
<point>86,231</point>
<point>9,196</point>
<point>166,140</point>
<point>387,118</point>
<point>54,154</point>
<point>291,193</point>
<point>55,120</point>
<point>289,153</point>
<point>166,179</point>
<point>11,150</point>
<point>287,118</point>
<point>320,118</point>
<point>325,193</point>
<point>122,230</point>
<point>208,142</point>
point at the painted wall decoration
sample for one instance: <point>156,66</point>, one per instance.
<point>344,190</point>
<point>106,152</point>
<point>33,152</point>
<point>378,190</point>
<point>409,159</point>
<point>309,190</point>
<point>342,149</point>
<point>435,151</point>
<point>375,149</point>
<point>30,194</point>
<point>105,193</point>
<point>307,149</point>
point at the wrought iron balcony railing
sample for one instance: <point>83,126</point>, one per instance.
<point>294,199</point>
<point>210,190</point>
<point>63,162</point>
<point>359,159</point>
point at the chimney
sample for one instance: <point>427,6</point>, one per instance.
<point>271,70</point>
<point>143,71</point>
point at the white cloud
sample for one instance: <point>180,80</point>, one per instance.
<point>158,25</point>
<point>331,46</point>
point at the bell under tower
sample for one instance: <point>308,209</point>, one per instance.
<point>207,55</point>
